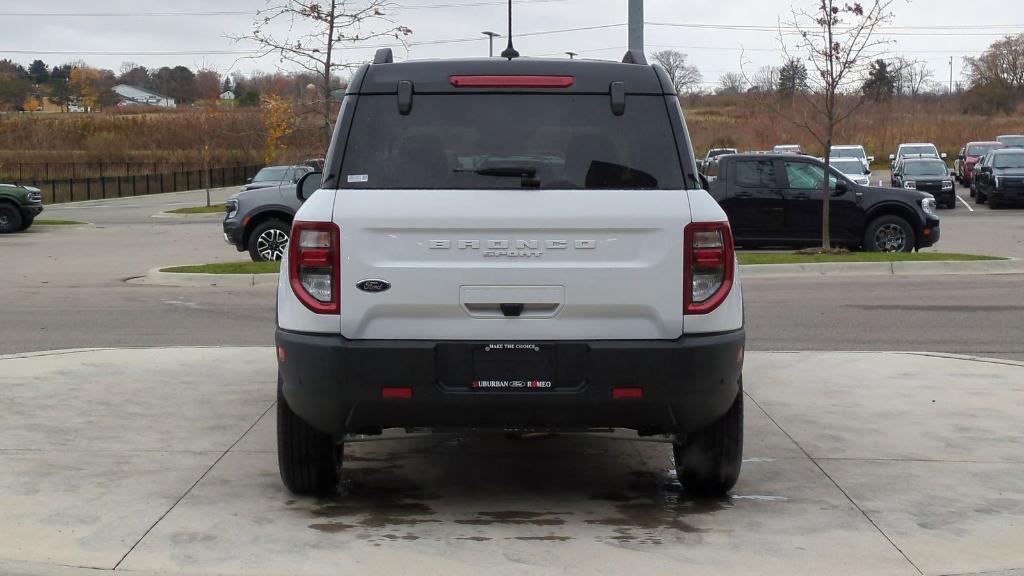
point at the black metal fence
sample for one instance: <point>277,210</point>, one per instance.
<point>70,182</point>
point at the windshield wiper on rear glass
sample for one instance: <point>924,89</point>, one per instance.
<point>524,173</point>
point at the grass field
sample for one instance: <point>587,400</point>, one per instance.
<point>214,209</point>
<point>789,258</point>
<point>227,268</point>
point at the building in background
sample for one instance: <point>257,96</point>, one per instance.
<point>134,96</point>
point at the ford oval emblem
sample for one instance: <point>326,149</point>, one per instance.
<point>373,285</point>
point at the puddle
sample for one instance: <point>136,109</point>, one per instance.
<point>374,498</point>
<point>551,538</point>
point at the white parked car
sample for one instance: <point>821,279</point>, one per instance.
<point>552,267</point>
<point>853,151</point>
<point>853,169</point>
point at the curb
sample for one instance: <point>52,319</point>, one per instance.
<point>155,277</point>
<point>1012,266</point>
<point>204,216</point>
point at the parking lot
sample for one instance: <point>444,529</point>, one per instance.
<point>855,463</point>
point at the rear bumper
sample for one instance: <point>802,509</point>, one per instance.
<point>336,384</point>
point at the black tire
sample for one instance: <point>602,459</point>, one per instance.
<point>10,218</point>
<point>27,223</point>
<point>270,231</point>
<point>979,198</point>
<point>884,229</point>
<point>309,460</point>
<point>708,462</point>
<point>993,204</point>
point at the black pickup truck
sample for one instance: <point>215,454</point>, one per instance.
<point>776,200</point>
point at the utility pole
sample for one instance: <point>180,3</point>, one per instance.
<point>950,75</point>
<point>572,55</point>
<point>636,25</point>
<point>491,35</point>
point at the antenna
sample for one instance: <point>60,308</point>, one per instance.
<point>510,51</point>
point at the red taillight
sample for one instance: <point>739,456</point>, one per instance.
<point>708,266</point>
<point>512,81</point>
<point>627,393</point>
<point>314,265</point>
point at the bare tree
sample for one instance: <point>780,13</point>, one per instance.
<point>838,41</point>
<point>766,79</point>
<point>685,77</point>
<point>918,76</point>
<point>327,26</point>
<point>731,83</point>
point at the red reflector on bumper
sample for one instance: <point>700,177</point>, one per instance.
<point>396,393</point>
<point>624,393</point>
<point>280,354</point>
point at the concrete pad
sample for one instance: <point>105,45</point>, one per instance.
<point>893,406</point>
<point>107,454</point>
<point>172,399</point>
<point>85,508</point>
<point>559,505</point>
<point>949,518</point>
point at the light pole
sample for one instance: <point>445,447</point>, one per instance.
<point>491,35</point>
<point>572,55</point>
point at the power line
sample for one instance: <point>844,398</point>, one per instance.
<point>253,12</point>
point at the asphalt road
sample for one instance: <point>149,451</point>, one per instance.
<point>64,288</point>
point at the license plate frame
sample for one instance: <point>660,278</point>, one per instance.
<point>513,367</point>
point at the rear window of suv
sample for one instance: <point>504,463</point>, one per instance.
<point>480,141</point>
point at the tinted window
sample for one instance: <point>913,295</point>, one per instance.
<point>275,174</point>
<point>926,169</point>
<point>1014,141</point>
<point>1008,160</point>
<point>847,153</point>
<point>804,176</point>
<point>981,150</point>
<point>848,166</point>
<point>918,150</point>
<point>755,174</point>
<point>502,141</point>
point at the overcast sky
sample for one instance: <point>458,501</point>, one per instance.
<point>108,40</point>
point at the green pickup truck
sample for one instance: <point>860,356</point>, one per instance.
<point>19,206</point>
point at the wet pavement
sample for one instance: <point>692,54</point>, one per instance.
<point>164,461</point>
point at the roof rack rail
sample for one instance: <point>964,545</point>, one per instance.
<point>634,57</point>
<point>383,56</point>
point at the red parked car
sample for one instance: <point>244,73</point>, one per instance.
<point>969,156</point>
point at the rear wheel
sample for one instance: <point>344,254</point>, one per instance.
<point>309,460</point>
<point>10,218</point>
<point>269,240</point>
<point>889,233</point>
<point>708,462</point>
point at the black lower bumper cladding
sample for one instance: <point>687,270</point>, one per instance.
<point>673,386</point>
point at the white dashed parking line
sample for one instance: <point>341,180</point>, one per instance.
<point>964,202</point>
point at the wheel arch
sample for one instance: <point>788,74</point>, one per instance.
<point>896,209</point>
<point>260,216</point>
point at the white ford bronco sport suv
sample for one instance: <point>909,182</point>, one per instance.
<point>510,245</point>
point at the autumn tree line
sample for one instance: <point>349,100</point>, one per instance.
<point>78,84</point>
